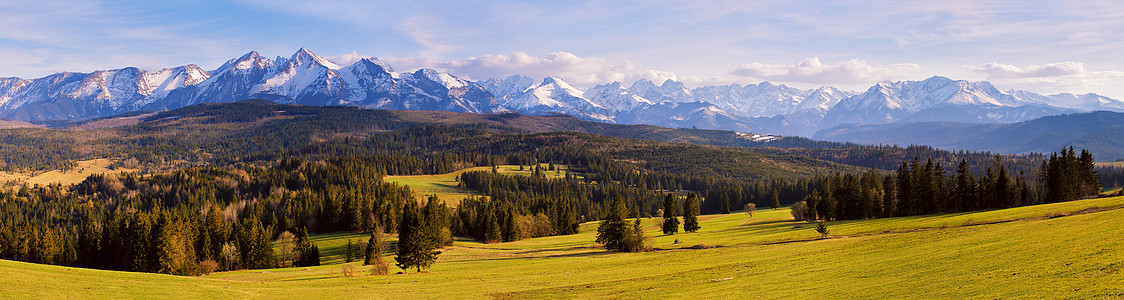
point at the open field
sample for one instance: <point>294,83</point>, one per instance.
<point>445,185</point>
<point>84,169</point>
<point>1064,250</point>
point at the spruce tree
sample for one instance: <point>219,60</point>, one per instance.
<point>350,249</point>
<point>510,227</point>
<point>776,199</point>
<point>415,245</point>
<point>376,245</point>
<point>670,217</point>
<point>691,213</point>
<point>613,229</point>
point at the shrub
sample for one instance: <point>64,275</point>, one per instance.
<point>208,266</point>
<point>348,270</point>
<point>799,211</point>
<point>634,240</point>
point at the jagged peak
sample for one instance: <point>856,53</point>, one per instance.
<point>551,80</point>
<point>375,61</point>
<point>304,55</point>
<point>671,83</point>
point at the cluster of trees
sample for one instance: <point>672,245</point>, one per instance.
<point>917,189</point>
<point>566,202</point>
<point>616,233</point>
<point>172,222</point>
<point>498,221</point>
<point>420,233</point>
<point>690,214</point>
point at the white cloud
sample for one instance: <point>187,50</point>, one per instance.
<point>579,71</point>
<point>347,59</point>
<point>1071,77</point>
<point>811,70</point>
<point>995,70</point>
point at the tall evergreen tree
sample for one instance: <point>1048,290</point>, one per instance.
<point>691,213</point>
<point>670,215</point>
<point>776,197</point>
<point>613,228</point>
<point>415,244</point>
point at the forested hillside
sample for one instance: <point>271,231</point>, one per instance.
<point>219,182</point>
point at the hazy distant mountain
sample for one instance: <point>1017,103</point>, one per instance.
<point>935,99</point>
<point>1101,132</point>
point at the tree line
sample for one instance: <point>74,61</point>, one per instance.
<point>918,189</point>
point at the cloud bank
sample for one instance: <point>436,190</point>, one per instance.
<point>579,71</point>
<point>811,70</point>
<point>1050,78</point>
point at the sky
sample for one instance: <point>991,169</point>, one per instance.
<point>1040,46</point>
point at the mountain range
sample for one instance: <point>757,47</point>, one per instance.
<point>309,79</point>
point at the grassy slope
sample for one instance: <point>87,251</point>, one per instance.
<point>445,185</point>
<point>84,169</point>
<point>1057,250</point>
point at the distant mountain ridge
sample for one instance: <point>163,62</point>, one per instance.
<point>306,78</point>
<point>1102,132</point>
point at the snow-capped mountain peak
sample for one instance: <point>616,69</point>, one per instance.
<point>615,97</point>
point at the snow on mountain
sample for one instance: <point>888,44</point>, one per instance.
<point>614,97</point>
<point>670,90</point>
<point>306,78</point>
<point>507,88</point>
<point>934,99</point>
<point>555,95</point>
<point>1085,102</point>
<point>442,91</point>
<point>9,86</point>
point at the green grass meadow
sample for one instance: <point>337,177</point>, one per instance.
<point>1063,250</point>
<point>446,188</point>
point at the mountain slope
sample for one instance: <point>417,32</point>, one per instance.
<point>1100,132</point>
<point>304,78</point>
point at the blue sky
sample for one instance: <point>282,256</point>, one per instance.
<point>1042,46</point>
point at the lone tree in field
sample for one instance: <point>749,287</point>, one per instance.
<point>376,245</point>
<point>416,243</point>
<point>821,227</point>
<point>670,217</point>
<point>750,208</point>
<point>691,213</point>
<point>614,229</point>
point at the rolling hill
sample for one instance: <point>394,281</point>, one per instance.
<point>1012,253</point>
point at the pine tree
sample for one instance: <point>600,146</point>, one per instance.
<point>350,249</point>
<point>670,217</point>
<point>691,213</point>
<point>415,245</point>
<point>510,228</point>
<point>613,228</point>
<point>376,245</point>
<point>493,233</point>
<point>776,199</point>
<point>309,254</point>
<point>964,193</point>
